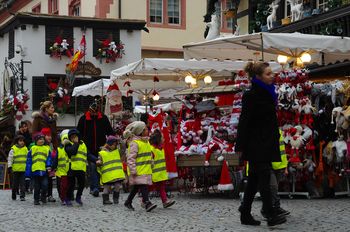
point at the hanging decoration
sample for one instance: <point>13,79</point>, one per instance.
<point>60,48</point>
<point>114,103</point>
<point>73,65</point>
<point>110,50</point>
<point>15,105</point>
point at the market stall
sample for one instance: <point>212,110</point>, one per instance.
<point>313,117</point>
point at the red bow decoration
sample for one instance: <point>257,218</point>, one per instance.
<point>130,91</point>
<point>127,83</point>
<point>155,79</point>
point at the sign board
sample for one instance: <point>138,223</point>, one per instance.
<point>4,177</point>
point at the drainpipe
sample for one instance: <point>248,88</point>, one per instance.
<point>119,9</point>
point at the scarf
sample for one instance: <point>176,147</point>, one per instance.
<point>270,88</point>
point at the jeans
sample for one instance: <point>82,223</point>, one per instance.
<point>134,190</point>
<point>94,177</point>
<point>49,186</point>
<point>276,176</point>
<point>258,179</point>
<point>80,177</point>
<point>40,187</point>
<point>18,184</point>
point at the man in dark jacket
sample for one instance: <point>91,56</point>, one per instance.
<point>94,127</point>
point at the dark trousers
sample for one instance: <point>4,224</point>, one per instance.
<point>40,187</point>
<point>94,177</point>
<point>18,184</point>
<point>49,186</point>
<point>62,187</point>
<point>258,179</point>
<point>79,177</point>
<point>276,176</point>
<point>29,185</point>
<point>134,190</point>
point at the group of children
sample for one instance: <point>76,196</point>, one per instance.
<point>145,166</point>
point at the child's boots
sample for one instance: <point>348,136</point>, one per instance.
<point>105,198</point>
<point>116,197</point>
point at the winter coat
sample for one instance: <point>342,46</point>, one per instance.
<point>29,164</point>
<point>41,120</point>
<point>93,130</point>
<point>258,133</point>
<point>134,179</point>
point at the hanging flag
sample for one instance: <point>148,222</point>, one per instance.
<point>78,55</point>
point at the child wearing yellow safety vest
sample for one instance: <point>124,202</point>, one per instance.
<point>61,165</point>
<point>79,155</point>
<point>111,170</point>
<point>17,165</point>
<point>38,163</point>
<point>139,161</point>
<point>159,172</point>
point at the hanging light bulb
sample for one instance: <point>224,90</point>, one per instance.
<point>194,81</point>
<point>156,97</point>
<point>188,79</point>
<point>305,57</point>
<point>207,79</point>
<point>282,59</point>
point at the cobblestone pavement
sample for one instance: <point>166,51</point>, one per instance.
<point>190,213</point>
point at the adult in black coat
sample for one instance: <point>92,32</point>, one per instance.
<point>258,141</point>
<point>94,127</point>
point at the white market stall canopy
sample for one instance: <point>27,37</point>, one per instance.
<point>174,106</point>
<point>96,88</point>
<point>172,69</point>
<point>250,47</point>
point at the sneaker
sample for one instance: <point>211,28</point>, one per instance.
<point>247,218</point>
<point>276,220</point>
<point>168,204</point>
<point>51,199</point>
<point>78,200</point>
<point>36,203</point>
<point>282,212</point>
<point>22,199</point>
<point>150,206</point>
<point>129,206</point>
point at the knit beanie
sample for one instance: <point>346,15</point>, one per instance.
<point>38,136</point>
<point>134,128</point>
<point>46,131</point>
<point>111,139</point>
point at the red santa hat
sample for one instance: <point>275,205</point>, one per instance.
<point>225,182</point>
<point>112,87</point>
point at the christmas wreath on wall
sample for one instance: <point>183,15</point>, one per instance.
<point>110,50</point>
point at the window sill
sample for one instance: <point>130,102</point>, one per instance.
<point>169,26</point>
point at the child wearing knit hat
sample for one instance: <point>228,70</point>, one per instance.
<point>37,165</point>
<point>139,161</point>
<point>110,169</point>
<point>50,175</point>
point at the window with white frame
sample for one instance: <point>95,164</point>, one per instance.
<point>76,10</point>
<point>287,10</point>
<point>156,11</point>
<point>174,12</point>
<point>229,5</point>
<point>322,5</point>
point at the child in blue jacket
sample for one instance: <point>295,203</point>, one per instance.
<point>38,163</point>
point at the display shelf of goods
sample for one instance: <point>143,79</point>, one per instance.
<point>198,160</point>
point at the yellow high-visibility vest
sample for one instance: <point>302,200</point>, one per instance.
<point>39,157</point>
<point>19,158</point>
<point>277,165</point>
<point>284,162</point>
<point>143,158</point>
<point>63,162</point>
<point>79,160</point>
<point>159,172</point>
<point>112,167</point>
